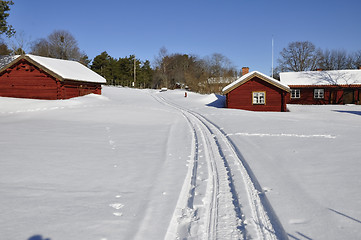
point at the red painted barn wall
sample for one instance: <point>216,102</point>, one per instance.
<point>332,95</point>
<point>76,89</point>
<point>24,80</point>
<point>241,97</point>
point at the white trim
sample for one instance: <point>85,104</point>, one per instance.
<point>318,93</point>
<point>259,98</point>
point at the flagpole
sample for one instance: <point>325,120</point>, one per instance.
<point>272,54</point>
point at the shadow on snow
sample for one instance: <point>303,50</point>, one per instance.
<point>38,237</point>
<point>352,112</point>
<point>220,102</point>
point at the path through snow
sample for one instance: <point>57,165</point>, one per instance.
<point>231,206</point>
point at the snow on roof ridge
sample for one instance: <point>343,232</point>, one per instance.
<point>67,69</point>
<point>246,76</point>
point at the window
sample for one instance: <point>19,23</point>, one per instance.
<point>319,93</point>
<point>259,97</point>
<point>295,93</point>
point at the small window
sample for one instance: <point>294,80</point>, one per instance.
<point>259,97</point>
<point>319,93</point>
<point>295,93</point>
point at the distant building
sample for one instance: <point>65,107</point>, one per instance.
<point>30,76</point>
<point>255,91</point>
<point>323,87</point>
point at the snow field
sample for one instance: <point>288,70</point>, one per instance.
<point>106,171</point>
<point>139,164</point>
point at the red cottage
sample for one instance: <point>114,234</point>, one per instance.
<point>257,92</point>
<point>324,87</point>
<point>30,76</point>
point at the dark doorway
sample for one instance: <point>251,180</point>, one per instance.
<point>333,96</point>
<point>348,97</point>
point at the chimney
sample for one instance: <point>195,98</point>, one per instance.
<point>245,70</point>
<point>359,67</point>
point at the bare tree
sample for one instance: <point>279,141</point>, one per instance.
<point>41,47</point>
<point>298,56</point>
<point>161,62</point>
<point>60,44</point>
<point>206,75</point>
<point>19,43</point>
<point>220,72</point>
<point>63,45</point>
<point>355,60</point>
<point>333,60</point>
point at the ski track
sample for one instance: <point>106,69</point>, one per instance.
<point>221,213</point>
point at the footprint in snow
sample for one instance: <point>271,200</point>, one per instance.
<point>118,214</point>
<point>117,206</point>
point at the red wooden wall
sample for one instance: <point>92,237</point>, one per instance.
<point>241,97</point>
<point>332,95</point>
<point>75,89</point>
<point>25,80</point>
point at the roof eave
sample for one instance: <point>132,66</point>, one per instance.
<point>83,81</point>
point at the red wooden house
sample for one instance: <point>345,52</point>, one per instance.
<point>255,91</point>
<point>324,87</point>
<point>30,76</point>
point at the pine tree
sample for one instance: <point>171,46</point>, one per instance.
<point>5,28</point>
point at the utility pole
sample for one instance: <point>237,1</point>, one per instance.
<point>135,70</point>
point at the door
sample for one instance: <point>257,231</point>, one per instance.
<point>333,96</point>
<point>347,96</point>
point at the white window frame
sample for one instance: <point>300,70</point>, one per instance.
<point>295,93</point>
<point>319,93</point>
<point>258,98</point>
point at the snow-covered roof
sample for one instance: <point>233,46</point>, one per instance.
<point>63,69</point>
<point>249,76</point>
<point>5,60</point>
<point>332,77</point>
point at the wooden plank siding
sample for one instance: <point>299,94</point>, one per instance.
<point>76,89</point>
<point>25,80</point>
<point>242,97</point>
<point>332,95</point>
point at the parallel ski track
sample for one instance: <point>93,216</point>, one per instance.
<point>223,218</point>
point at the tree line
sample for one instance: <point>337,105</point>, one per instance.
<point>209,74</point>
<point>204,75</point>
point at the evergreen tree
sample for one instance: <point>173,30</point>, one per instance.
<point>121,71</point>
<point>5,28</point>
<point>101,65</point>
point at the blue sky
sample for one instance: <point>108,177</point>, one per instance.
<point>240,30</point>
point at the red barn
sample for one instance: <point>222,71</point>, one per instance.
<point>255,91</point>
<point>30,76</point>
<point>324,87</point>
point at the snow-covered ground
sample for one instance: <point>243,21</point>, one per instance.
<point>144,164</point>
